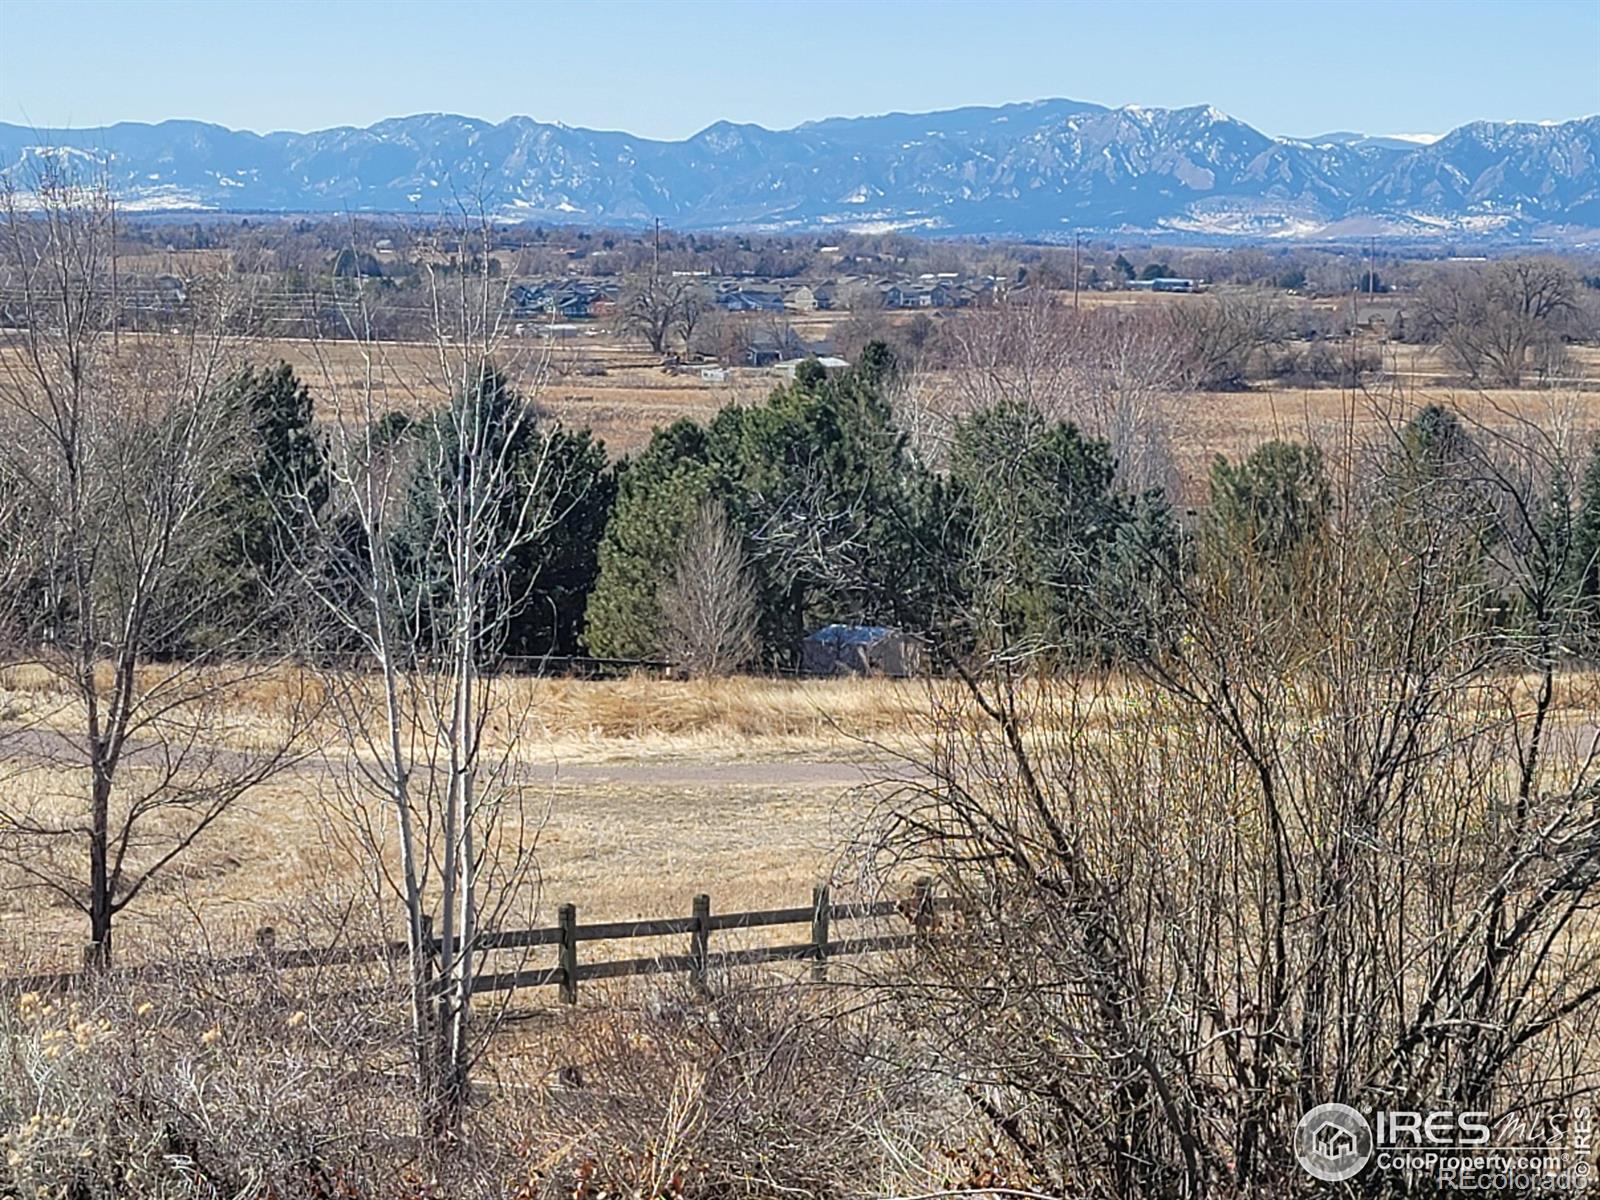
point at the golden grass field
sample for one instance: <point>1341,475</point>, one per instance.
<point>621,393</point>
<point>636,395</point>
<point>644,792</point>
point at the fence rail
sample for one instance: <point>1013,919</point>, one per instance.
<point>918,912</point>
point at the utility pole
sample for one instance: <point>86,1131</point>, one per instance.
<point>116,309</point>
<point>1077,245</point>
<point>656,271</point>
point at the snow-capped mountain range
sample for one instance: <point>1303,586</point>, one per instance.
<point>1041,169</point>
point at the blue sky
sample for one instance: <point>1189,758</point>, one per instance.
<point>667,68</point>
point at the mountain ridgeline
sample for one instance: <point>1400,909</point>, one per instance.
<point>1041,169</point>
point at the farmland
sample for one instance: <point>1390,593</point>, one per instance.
<point>609,387</point>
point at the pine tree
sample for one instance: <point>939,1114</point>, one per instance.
<point>553,505</point>
<point>1054,553</point>
<point>1273,502</point>
<point>819,486</point>
<point>273,499</point>
<point>1584,554</point>
<point>657,496</point>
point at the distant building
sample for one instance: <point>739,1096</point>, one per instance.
<point>827,362</point>
<point>1166,285</point>
<point>571,299</point>
<point>921,295</point>
<point>750,301</point>
<point>772,346</point>
<point>860,650</point>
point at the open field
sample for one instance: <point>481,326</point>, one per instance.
<point>645,791</point>
<point>620,392</point>
<point>633,395</point>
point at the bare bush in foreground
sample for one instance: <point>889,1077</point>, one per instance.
<point>1338,840</point>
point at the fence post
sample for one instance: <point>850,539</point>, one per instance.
<point>424,968</point>
<point>567,919</point>
<point>700,941</point>
<point>819,933</point>
<point>922,906</point>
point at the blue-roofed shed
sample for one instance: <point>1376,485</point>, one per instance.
<point>860,650</point>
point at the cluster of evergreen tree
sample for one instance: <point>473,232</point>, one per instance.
<point>283,535</point>
<point>1024,540</point>
<point>1021,542</point>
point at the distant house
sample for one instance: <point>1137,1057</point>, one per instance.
<point>860,650</point>
<point>714,374</point>
<point>356,264</point>
<point>808,298</point>
<point>750,300</point>
<point>570,299</point>
<point>1384,318</point>
<point>1166,285</point>
<point>533,299</point>
<point>770,347</point>
<point>921,295</point>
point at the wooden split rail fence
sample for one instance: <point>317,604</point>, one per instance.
<point>917,913</point>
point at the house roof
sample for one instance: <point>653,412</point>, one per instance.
<point>850,635</point>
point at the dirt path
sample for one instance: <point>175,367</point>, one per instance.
<point>735,774</point>
<point>44,747</point>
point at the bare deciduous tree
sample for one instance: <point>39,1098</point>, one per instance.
<point>425,518</point>
<point>657,310</point>
<point>1112,374</point>
<point>709,610</point>
<point>1220,336</point>
<point>1492,319</point>
<point>115,463</point>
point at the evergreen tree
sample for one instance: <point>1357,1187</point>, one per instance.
<point>1434,443</point>
<point>1583,572</point>
<point>1436,481</point>
<point>1055,554</point>
<point>1273,502</point>
<point>272,501</point>
<point>818,484</point>
<point>555,572</point>
<point>658,495</point>
<point>552,508</point>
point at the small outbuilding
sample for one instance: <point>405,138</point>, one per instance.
<point>830,365</point>
<point>860,650</point>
